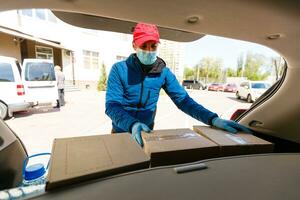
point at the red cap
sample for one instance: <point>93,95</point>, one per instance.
<point>145,32</point>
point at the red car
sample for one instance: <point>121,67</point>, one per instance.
<point>215,87</point>
<point>230,87</point>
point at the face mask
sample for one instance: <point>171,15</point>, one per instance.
<point>146,57</point>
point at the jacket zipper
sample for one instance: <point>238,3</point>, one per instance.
<point>148,96</point>
<point>140,105</point>
<point>141,95</point>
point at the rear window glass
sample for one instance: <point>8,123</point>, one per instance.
<point>6,73</point>
<point>39,72</point>
<point>259,85</point>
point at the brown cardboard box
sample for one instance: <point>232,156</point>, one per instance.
<point>235,144</point>
<point>82,158</point>
<point>175,146</point>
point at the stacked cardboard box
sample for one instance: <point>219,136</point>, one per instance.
<point>175,146</point>
<point>81,158</point>
<point>235,144</point>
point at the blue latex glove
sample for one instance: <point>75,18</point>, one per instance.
<point>230,126</point>
<point>136,131</point>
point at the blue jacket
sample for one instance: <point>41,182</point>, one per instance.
<point>133,91</point>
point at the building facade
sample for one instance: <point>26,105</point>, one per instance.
<point>37,33</point>
<point>173,54</point>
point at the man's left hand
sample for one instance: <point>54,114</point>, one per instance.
<point>230,126</point>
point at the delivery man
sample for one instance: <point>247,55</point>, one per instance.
<point>134,85</point>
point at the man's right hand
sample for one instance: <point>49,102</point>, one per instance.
<point>136,131</point>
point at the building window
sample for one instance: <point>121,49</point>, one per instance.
<point>40,14</point>
<point>120,58</point>
<point>91,59</point>
<point>44,52</point>
<point>27,12</point>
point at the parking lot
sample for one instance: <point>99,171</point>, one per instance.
<point>84,114</point>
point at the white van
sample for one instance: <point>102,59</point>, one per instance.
<point>39,81</point>
<point>12,95</point>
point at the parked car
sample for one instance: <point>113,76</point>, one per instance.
<point>193,84</point>
<point>230,87</point>
<point>215,87</point>
<point>251,90</point>
<point>12,94</point>
<point>39,81</point>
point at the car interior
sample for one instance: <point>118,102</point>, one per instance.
<point>274,116</point>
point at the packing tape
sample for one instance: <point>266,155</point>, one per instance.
<point>154,137</point>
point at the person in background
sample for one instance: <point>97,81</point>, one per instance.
<point>60,78</point>
<point>134,85</point>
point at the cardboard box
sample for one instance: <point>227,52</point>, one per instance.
<point>175,146</point>
<point>81,158</point>
<point>235,144</point>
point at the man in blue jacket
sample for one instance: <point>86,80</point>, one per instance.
<point>134,85</point>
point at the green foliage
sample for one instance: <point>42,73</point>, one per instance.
<point>240,65</point>
<point>102,80</point>
<point>230,72</point>
<point>211,69</point>
<point>189,73</point>
<point>253,66</point>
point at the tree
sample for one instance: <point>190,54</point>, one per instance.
<point>278,66</point>
<point>211,69</point>
<point>240,65</point>
<point>208,68</point>
<point>230,72</point>
<point>253,67</point>
<point>188,73</point>
<point>103,79</point>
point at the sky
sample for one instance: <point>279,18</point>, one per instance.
<point>226,49</point>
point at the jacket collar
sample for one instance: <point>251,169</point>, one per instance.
<point>156,68</point>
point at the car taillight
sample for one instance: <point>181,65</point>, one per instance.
<point>237,113</point>
<point>20,90</point>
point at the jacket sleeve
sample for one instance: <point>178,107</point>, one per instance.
<point>184,102</point>
<point>113,102</point>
